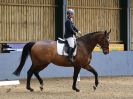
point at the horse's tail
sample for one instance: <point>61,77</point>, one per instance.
<point>25,53</point>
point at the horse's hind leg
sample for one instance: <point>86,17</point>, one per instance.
<point>29,75</point>
<point>76,72</point>
<point>37,69</point>
<point>92,70</point>
<point>40,80</point>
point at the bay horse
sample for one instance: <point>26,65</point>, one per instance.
<point>43,53</point>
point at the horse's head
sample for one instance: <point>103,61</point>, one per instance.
<point>103,41</point>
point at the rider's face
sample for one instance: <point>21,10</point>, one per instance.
<point>71,15</point>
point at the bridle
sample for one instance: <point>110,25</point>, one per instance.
<point>103,46</point>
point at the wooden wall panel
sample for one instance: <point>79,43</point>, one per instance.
<point>97,15</point>
<point>27,20</point>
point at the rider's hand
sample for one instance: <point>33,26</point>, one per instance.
<point>79,32</point>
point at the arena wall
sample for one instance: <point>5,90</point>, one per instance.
<point>117,63</point>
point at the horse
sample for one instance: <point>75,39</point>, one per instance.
<point>43,53</point>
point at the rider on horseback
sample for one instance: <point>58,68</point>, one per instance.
<point>70,33</point>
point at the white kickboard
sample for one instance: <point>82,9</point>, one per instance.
<point>7,83</point>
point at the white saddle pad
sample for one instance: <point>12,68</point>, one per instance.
<point>60,49</point>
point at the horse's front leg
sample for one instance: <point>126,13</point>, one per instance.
<point>75,75</point>
<point>92,70</point>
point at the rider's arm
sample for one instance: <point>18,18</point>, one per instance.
<point>75,29</point>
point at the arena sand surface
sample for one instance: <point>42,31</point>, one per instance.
<point>60,88</point>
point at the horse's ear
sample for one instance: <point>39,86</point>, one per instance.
<point>109,32</point>
<point>105,33</point>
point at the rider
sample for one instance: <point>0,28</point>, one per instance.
<point>70,33</point>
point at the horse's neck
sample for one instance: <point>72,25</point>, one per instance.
<point>90,43</point>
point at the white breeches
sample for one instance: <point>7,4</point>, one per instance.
<point>71,41</point>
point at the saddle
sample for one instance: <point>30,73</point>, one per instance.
<point>62,47</point>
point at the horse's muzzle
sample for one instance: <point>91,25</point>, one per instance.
<point>106,52</point>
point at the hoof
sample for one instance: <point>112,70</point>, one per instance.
<point>30,89</point>
<point>96,83</point>
<point>76,89</point>
<point>41,88</point>
<point>94,87</point>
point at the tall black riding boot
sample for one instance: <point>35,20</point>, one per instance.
<point>70,54</point>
